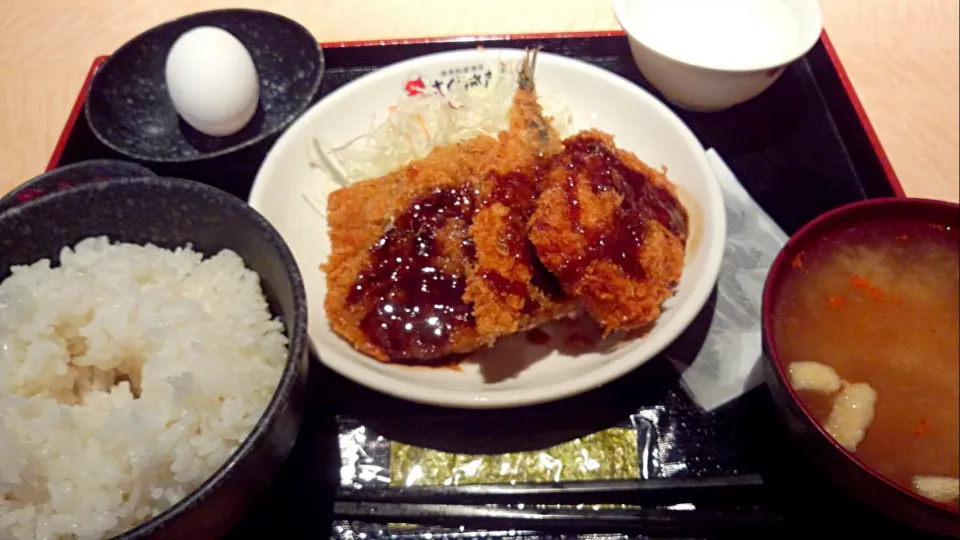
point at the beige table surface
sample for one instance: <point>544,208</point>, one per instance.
<point>902,56</point>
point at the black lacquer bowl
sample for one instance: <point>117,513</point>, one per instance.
<point>130,111</point>
<point>69,176</point>
<point>169,213</point>
<point>850,475</point>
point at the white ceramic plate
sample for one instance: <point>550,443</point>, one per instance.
<point>515,372</point>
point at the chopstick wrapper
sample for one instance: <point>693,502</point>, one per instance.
<point>728,363</point>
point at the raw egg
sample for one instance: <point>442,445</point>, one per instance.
<point>212,81</point>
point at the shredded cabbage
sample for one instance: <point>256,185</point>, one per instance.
<point>418,124</point>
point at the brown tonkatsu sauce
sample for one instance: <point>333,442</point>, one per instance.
<point>517,191</point>
<point>415,302</point>
<point>619,242</point>
<point>538,337</point>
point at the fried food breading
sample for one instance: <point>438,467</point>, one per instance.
<point>432,260</point>
<point>512,291</point>
<point>611,229</point>
<point>496,235</point>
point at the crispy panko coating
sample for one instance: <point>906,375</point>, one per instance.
<point>359,216</point>
<point>611,229</point>
<point>496,235</point>
<point>432,260</point>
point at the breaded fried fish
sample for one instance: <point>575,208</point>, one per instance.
<point>611,229</point>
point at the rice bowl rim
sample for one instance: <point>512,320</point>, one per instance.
<point>295,323</point>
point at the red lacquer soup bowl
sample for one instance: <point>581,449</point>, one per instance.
<point>849,474</point>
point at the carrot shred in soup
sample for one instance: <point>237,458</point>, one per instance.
<point>868,323</point>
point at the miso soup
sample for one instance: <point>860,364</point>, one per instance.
<point>881,306</point>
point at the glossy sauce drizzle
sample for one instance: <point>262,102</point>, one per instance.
<point>517,191</point>
<point>413,295</point>
<point>414,299</point>
<point>619,242</point>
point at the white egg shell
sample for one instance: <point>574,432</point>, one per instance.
<point>212,81</point>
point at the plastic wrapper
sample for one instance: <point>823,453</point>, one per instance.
<point>622,452</point>
<point>672,438</point>
<point>655,442</point>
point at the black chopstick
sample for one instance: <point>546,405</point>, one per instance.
<point>653,491</point>
<point>738,523</point>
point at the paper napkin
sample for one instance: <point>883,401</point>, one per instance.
<point>727,364</point>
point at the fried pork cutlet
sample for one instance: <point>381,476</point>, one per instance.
<point>432,260</point>
<point>611,229</point>
<point>401,256</point>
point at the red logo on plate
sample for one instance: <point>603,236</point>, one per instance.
<point>415,86</point>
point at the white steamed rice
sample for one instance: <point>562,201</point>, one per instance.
<point>80,455</point>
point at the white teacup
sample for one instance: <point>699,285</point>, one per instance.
<point>708,55</point>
